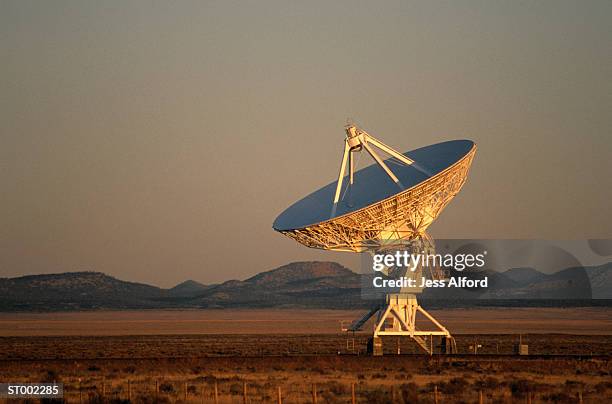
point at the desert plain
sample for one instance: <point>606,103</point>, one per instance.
<point>301,356</point>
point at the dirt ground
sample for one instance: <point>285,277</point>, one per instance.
<point>186,368</point>
<point>254,356</point>
<point>589,321</point>
<point>386,379</point>
<point>253,345</point>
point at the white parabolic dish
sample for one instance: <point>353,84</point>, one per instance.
<point>376,209</point>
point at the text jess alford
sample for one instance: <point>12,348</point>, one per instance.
<point>454,282</point>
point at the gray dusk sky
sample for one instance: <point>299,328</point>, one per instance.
<point>157,141</point>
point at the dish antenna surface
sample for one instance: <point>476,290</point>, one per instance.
<point>386,206</point>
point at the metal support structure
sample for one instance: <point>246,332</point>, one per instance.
<point>383,165</point>
<point>358,139</point>
<point>393,222</point>
<point>399,317</point>
<point>401,314</point>
<point>341,175</point>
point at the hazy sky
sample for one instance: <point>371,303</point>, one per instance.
<point>157,141</point>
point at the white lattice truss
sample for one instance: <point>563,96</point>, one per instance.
<point>403,216</point>
<point>399,318</point>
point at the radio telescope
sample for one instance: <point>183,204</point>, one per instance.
<point>378,209</point>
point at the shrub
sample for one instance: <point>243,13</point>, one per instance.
<point>166,387</point>
<point>520,387</point>
<point>559,397</point>
<point>409,392</point>
<point>236,388</point>
<point>51,376</point>
<point>572,384</point>
<point>130,369</point>
<point>454,386</point>
<point>488,383</point>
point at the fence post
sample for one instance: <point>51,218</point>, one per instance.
<point>185,390</point>
<point>244,392</point>
<point>129,390</point>
<point>436,394</point>
<point>216,393</point>
<point>156,389</point>
<point>280,396</point>
<point>480,398</point>
<point>314,393</point>
<point>353,401</point>
<point>80,392</point>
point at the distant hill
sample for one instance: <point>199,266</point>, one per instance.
<point>299,284</point>
<point>524,275</point>
<point>296,285</point>
<point>188,288</point>
<point>300,272</point>
<point>578,286</point>
<point>601,281</point>
<point>74,291</point>
<point>579,283</point>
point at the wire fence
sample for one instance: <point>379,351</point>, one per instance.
<point>215,391</point>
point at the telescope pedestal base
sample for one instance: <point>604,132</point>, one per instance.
<point>398,317</point>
